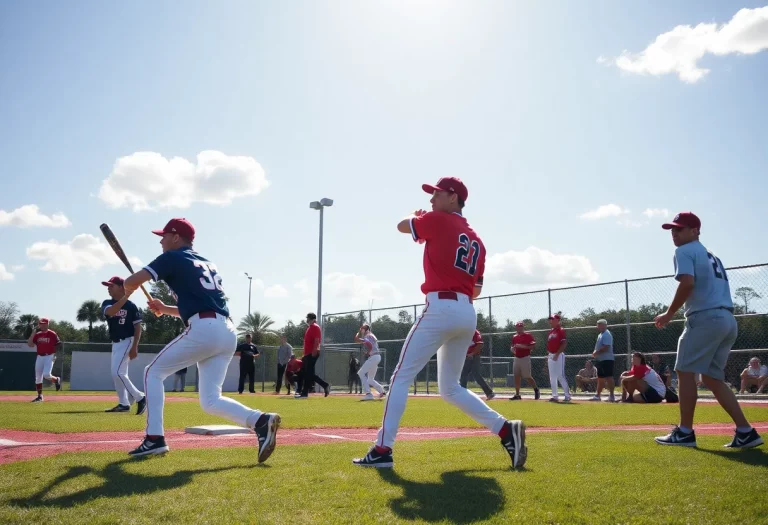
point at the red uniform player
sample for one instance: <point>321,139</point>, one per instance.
<point>47,342</point>
<point>454,263</point>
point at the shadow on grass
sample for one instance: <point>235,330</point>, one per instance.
<point>459,497</point>
<point>753,456</point>
<point>117,483</point>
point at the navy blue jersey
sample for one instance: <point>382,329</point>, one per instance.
<point>193,279</point>
<point>121,324</point>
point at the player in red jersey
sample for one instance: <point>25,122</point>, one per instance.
<point>454,262</point>
<point>47,342</point>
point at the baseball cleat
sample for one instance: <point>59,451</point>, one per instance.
<point>267,436</point>
<point>515,443</point>
<point>536,394</point>
<point>490,396</point>
<point>554,400</point>
<point>516,397</point>
<point>376,460</point>
<point>141,405</point>
<point>367,397</point>
<point>38,399</point>
<point>745,440</point>
<point>327,390</point>
<point>58,384</point>
<point>677,438</point>
<point>595,398</point>
<point>568,399</point>
<point>118,408</point>
<point>149,447</point>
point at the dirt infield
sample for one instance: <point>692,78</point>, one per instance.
<point>20,445</point>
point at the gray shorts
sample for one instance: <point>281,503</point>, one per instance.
<point>705,343</point>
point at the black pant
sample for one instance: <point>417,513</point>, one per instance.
<point>472,367</point>
<point>279,382</point>
<point>309,374</point>
<point>247,368</point>
<point>354,382</point>
<point>297,378</point>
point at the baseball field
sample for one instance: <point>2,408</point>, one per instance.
<point>64,461</point>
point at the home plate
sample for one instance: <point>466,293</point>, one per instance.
<point>217,430</point>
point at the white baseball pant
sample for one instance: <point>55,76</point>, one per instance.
<point>210,343</point>
<point>119,368</point>
<point>44,368</point>
<point>367,374</point>
<point>445,326</point>
<point>557,373</point>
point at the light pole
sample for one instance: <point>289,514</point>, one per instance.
<point>250,282</point>
<point>320,205</point>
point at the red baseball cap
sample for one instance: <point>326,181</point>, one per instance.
<point>556,316</point>
<point>181,226</point>
<point>452,184</point>
<point>519,323</point>
<point>114,280</point>
<point>684,219</point>
<point>43,320</point>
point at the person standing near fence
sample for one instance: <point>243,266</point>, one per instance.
<point>522,345</point>
<point>180,379</point>
<point>710,331</point>
<point>472,366</point>
<point>367,372</point>
<point>124,324</point>
<point>312,339</point>
<point>47,343</point>
<point>556,343</point>
<point>603,354</point>
<point>247,352</point>
<point>454,264</point>
<point>284,353</point>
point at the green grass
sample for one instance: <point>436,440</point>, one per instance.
<point>317,412</point>
<point>600,477</point>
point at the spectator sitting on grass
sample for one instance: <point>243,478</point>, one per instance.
<point>754,376</point>
<point>586,379</point>
<point>641,377</point>
<point>661,368</point>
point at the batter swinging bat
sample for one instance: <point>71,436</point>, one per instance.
<point>115,244</point>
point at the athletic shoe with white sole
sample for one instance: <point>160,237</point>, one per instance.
<point>141,405</point>
<point>367,397</point>
<point>149,447</point>
<point>515,443</point>
<point>267,436</point>
<point>118,408</point>
<point>595,398</point>
<point>678,438</point>
<point>38,399</point>
<point>745,440</point>
<point>58,384</point>
<point>375,459</point>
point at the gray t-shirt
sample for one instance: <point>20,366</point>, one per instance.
<point>710,289</point>
<point>284,353</point>
<point>604,339</point>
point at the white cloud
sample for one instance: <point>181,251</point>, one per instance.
<point>84,251</point>
<point>302,286</point>
<point>679,50</point>
<point>656,212</point>
<point>17,267</point>
<point>603,212</point>
<point>535,266</point>
<point>353,290</point>
<point>29,216</point>
<point>148,181</point>
<point>5,275</point>
<point>630,223</point>
<point>275,291</point>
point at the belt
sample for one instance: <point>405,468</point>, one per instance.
<point>207,315</point>
<point>451,296</point>
<point>709,309</point>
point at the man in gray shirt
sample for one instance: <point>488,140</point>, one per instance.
<point>603,354</point>
<point>284,353</point>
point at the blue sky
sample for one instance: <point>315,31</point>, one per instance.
<point>362,102</point>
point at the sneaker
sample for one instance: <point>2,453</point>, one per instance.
<point>118,408</point>
<point>490,396</point>
<point>327,390</point>
<point>536,394</point>
<point>141,405</point>
<point>516,397</point>
<point>594,398</point>
<point>678,438</point>
<point>745,440</point>
<point>149,447</point>
<point>38,399</point>
<point>267,436</point>
<point>554,400</point>
<point>58,384</point>
<point>367,397</point>
<point>515,444</point>
<point>374,459</point>
<point>382,395</point>
<point>300,397</point>
<point>611,399</point>
<point>568,399</point>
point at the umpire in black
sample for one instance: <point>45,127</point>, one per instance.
<point>247,352</point>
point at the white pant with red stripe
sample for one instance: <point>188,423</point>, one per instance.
<point>44,368</point>
<point>209,343</point>
<point>367,374</point>
<point>446,327</point>
<point>557,373</point>
<point>123,385</point>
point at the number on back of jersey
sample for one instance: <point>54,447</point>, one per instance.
<point>210,279</point>
<point>717,265</point>
<point>467,254</point>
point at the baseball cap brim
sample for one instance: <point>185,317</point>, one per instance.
<point>670,225</point>
<point>430,188</point>
<point>158,232</point>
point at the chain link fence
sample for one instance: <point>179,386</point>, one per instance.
<point>629,306</point>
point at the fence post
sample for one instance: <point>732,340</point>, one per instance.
<point>549,301</point>
<point>263,370</point>
<point>417,375</point>
<point>490,346</point>
<point>427,369</point>
<point>629,320</point>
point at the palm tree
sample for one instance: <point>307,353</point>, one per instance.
<point>25,324</point>
<point>90,312</point>
<point>257,325</point>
